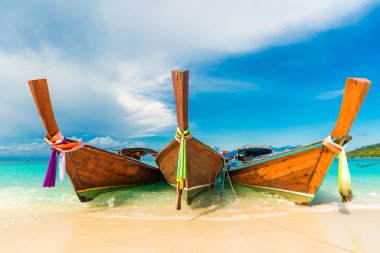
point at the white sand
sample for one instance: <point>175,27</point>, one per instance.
<point>304,231</point>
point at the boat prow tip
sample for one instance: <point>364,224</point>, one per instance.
<point>354,94</point>
<point>360,79</point>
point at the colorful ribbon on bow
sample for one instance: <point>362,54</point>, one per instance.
<point>182,138</point>
<point>60,145</point>
<point>344,179</point>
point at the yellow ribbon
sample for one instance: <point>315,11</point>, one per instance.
<point>344,178</point>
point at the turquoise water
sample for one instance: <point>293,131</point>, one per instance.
<point>21,187</point>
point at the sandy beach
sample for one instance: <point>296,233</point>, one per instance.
<point>54,230</point>
<point>145,219</point>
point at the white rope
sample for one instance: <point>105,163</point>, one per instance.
<point>62,155</point>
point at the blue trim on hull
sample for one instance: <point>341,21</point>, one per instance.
<point>270,158</point>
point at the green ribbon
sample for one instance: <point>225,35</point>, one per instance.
<point>182,137</point>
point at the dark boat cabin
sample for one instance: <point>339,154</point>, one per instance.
<point>246,153</point>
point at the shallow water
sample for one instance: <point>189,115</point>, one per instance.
<point>21,193</point>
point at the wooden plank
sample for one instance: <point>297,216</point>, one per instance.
<point>280,180</point>
<point>204,161</point>
<point>324,163</point>
<point>201,162</point>
<point>354,94</point>
<point>280,165</point>
<point>304,171</point>
<point>181,94</point>
<point>90,167</point>
<point>41,96</point>
<point>95,162</point>
<point>293,181</point>
<point>167,161</point>
<point>72,173</point>
<point>288,168</point>
<point>105,170</point>
<point>275,158</point>
<point>201,159</point>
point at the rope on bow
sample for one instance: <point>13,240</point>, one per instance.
<point>182,138</point>
<point>344,179</point>
<point>59,146</point>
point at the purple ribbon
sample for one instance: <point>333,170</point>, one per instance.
<point>51,171</point>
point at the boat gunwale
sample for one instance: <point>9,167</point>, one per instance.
<point>205,146</point>
<point>121,156</point>
<point>280,155</point>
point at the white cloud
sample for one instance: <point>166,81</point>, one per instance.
<point>330,94</point>
<point>104,142</point>
<point>108,65</point>
<point>36,148</point>
<point>83,97</point>
<point>194,30</point>
<point>108,142</point>
<point>40,148</point>
<point>209,85</point>
<point>148,114</point>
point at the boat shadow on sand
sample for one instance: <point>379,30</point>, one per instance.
<point>159,193</point>
<point>160,199</point>
<point>131,196</point>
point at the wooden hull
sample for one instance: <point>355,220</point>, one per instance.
<point>203,165</point>
<point>94,171</point>
<point>298,173</point>
<point>295,174</point>
<point>91,170</point>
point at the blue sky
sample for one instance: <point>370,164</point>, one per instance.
<point>253,79</point>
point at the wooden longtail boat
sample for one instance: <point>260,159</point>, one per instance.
<point>298,173</point>
<point>202,165</point>
<point>92,171</point>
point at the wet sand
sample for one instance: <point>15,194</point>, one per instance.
<point>53,230</point>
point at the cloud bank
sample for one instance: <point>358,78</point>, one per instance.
<point>39,147</point>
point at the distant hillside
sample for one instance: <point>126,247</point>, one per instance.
<point>367,151</point>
